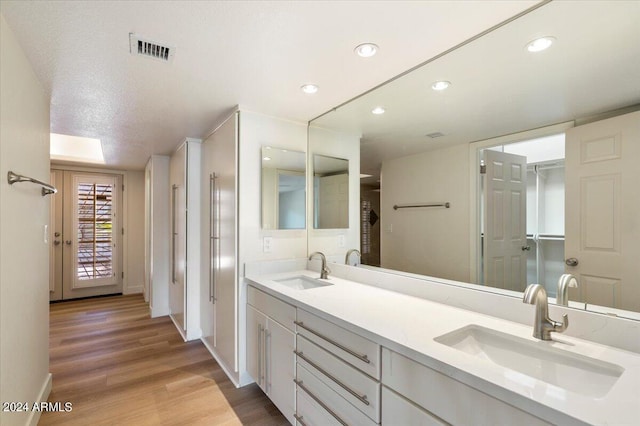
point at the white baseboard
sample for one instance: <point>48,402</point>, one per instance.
<point>233,377</point>
<point>179,327</point>
<point>43,396</point>
<point>133,289</point>
<point>162,311</point>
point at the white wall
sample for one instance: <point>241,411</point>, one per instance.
<point>24,213</point>
<point>257,130</point>
<point>340,145</point>
<point>430,241</point>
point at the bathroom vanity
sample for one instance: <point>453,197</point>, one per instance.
<point>341,352</point>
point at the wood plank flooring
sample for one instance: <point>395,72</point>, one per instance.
<point>118,366</point>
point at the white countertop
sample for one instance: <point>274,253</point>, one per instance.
<point>408,325</point>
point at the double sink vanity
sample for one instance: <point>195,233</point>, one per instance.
<point>338,351</point>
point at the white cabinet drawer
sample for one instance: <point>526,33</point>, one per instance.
<point>397,411</point>
<point>327,401</point>
<point>274,308</point>
<point>351,384</point>
<point>310,413</point>
<point>444,397</point>
<point>356,350</point>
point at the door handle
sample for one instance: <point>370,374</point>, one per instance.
<point>525,248</point>
<point>572,261</point>
<point>68,242</point>
<point>56,234</point>
<point>56,242</point>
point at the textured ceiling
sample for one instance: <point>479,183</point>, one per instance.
<point>253,54</point>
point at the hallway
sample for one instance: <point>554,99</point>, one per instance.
<point>116,365</point>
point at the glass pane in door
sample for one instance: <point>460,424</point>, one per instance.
<point>95,230</point>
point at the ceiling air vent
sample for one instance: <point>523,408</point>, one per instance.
<point>151,49</point>
<point>435,135</point>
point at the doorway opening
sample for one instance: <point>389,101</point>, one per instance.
<point>522,216</point>
<point>86,254</point>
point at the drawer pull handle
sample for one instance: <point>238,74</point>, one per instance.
<point>299,419</point>
<point>361,398</point>
<point>322,404</point>
<point>363,358</point>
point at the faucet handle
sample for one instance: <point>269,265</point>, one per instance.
<point>559,327</point>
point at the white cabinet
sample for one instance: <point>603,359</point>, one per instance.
<point>399,411</point>
<point>219,244</point>
<point>338,370</point>
<point>157,250</point>
<point>270,350</point>
<point>184,198</point>
<point>441,397</point>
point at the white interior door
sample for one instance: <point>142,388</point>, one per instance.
<point>603,211</point>
<point>504,244</point>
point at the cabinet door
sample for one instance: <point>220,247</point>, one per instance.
<point>280,372</point>
<point>256,326</point>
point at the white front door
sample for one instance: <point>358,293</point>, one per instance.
<point>602,221</point>
<point>504,243</point>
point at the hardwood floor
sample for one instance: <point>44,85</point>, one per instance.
<point>118,366</point>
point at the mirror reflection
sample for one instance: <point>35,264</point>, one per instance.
<point>429,144</point>
<point>330,192</point>
<point>283,188</point>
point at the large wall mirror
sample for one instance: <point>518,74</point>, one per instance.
<point>330,192</point>
<point>283,189</point>
<point>447,123</point>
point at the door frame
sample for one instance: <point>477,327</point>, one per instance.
<point>127,286</point>
<point>475,182</point>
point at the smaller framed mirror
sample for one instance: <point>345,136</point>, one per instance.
<point>330,192</point>
<point>283,189</point>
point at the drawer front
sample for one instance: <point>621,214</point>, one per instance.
<point>397,411</point>
<point>350,383</point>
<point>310,413</point>
<point>443,396</point>
<point>280,311</point>
<point>356,350</point>
<point>327,401</point>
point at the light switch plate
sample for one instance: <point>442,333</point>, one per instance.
<point>341,241</point>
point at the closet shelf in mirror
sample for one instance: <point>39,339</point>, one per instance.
<point>552,237</point>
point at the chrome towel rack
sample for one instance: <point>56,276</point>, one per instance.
<point>46,188</point>
<point>446,205</point>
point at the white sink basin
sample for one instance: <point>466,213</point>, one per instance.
<point>302,282</point>
<point>538,360</point>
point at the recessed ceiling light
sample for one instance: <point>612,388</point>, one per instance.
<point>266,158</point>
<point>309,89</point>
<point>377,110</point>
<point>440,85</point>
<point>540,44</point>
<point>366,50</point>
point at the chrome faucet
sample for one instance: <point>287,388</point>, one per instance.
<point>535,294</point>
<point>349,253</point>
<point>565,281</point>
<point>324,271</point>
